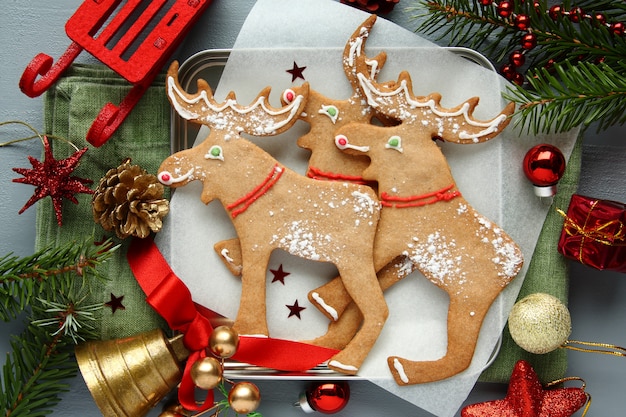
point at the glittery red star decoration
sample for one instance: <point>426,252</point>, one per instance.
<point>279,274</point>
<point>296,72</point>
<point>52,178</point>
<point>295,309</point>
<point>115,303</point>
<point>527,398</point>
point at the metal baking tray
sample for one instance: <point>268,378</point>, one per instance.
<point>209,65</point>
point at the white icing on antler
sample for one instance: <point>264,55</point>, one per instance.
<point>176,94</point>
<point>371,91</point>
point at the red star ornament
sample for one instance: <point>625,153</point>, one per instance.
<point>52,178</point>
<point>527,398</point>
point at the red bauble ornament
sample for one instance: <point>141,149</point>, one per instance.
<point>544,166</point>
<point>325,397</point>
<point>527,398</point>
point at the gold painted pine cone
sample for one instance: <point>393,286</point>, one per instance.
<point>129,201</point>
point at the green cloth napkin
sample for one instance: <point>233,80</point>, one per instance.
<point>70,108</point>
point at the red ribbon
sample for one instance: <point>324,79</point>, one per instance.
<point>171,298</point>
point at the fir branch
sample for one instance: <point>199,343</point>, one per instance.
<point>575,75</point>
<point>69,317</point>
<point>51,270</point>
<point>34,374</point>
<point>570,96</point>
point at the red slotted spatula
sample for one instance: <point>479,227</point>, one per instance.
<point>135,42</point>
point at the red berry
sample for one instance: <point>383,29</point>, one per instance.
<point>617,28</point>
<point>555,12</point>
<point>522,22</point>
<point>599,18</point>
<point>505,9</point>
<point>517,58</point>
<point>486,2</point>
<point>508,70</point>
<point>529,41</point>
<point>576,14</point>
<point>518,79</point>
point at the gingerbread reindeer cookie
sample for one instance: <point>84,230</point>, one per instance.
<point>324,115</point>
<point>426,220</point>
<point>273,207</point>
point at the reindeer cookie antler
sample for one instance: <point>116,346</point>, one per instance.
<point>426,220</point>
<point>273,207</point>
<point>449,124</point>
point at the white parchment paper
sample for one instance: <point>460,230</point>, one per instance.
<point>312,33</point>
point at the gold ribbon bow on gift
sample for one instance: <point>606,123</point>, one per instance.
<point>598,233</point>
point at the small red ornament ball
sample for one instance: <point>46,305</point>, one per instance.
<point>544,166</point>
<point>325,397</point>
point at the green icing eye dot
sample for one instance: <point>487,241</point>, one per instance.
<point>394,143</point>
<point>215,152</point>
<point>331,111</point>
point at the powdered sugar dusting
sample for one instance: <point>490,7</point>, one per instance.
<point>507,255</point>
<point>437,257</point>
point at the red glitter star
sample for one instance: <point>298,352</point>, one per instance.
<point>115,303</point>
<point>527,398</point>
<point>296,72</point>
<point>279,274</point>
<point>295,309</point>
<point>52,178</point>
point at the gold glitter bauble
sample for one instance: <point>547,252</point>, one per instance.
<point>224,341</point>
<point>244,397</point>
<point>206,373</point>
<point>540,323</point>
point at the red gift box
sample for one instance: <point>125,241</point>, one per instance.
<point>594,233</point>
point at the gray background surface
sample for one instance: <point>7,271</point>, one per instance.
<point>597,299</point>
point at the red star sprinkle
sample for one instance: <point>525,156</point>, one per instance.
<point>296,72</point>
<point>115,303</point>
<point>295,309</point>
<point>527,398</point>
<point>52,178</point>
<point>279,274</point>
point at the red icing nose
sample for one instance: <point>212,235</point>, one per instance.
<point>165,177</point>
<point>289,96</point>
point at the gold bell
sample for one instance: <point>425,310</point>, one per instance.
<point>128,377</point>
